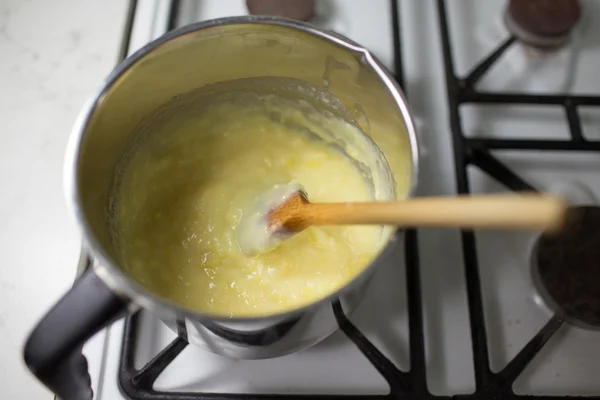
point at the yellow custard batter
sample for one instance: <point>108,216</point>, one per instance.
<point>188,181</point>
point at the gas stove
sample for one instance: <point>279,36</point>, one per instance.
<point>456,314</point>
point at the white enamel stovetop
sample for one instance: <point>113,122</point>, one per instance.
<point>569,364</point>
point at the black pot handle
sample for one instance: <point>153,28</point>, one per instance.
<point>53,350</point>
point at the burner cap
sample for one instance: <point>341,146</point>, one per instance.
<point>542,23</point>
<point>302,10</point>
<point>566,267</point>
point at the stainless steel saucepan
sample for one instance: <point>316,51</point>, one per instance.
<point>188,58</point>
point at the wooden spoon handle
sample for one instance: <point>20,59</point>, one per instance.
<point>478,211</point>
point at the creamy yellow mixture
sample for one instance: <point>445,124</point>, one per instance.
<point>190,179</point>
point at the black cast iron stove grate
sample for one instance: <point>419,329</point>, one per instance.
<point>138,384</point>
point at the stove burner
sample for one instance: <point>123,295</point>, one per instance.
<point>302,10</point>
<point>542,23</point>
<point>566,268</point>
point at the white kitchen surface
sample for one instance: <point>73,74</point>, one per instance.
<point>53,56</point>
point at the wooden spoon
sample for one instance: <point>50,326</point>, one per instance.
<point>262,229</point>
<point>528,211</point>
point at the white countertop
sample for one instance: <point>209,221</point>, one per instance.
<point>53,56</point>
